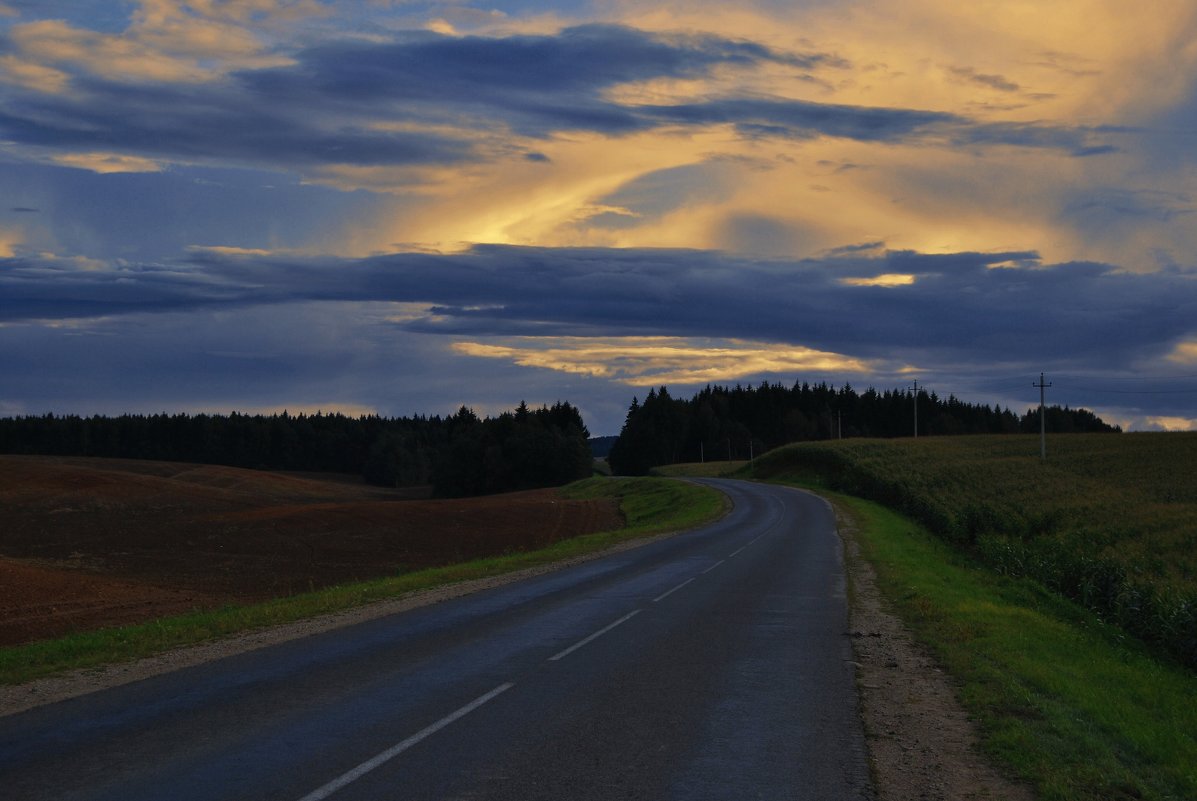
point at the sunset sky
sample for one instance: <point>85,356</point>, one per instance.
<point>403,207</point>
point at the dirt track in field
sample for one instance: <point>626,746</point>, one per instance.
<point>88,543</point>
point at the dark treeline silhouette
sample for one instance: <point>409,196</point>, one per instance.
<point>734,423</point>
<point>458,455</point>
<point>601,446</point>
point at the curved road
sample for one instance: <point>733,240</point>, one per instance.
<point>709,665</point>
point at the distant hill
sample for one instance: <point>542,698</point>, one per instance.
<point>601,446</point>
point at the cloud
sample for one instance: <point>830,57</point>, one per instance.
<point>653,361</point>
<point>214,127</point>
<point>422,98</point>
<point>885,279</point>
<point>326,356</point>
<point>581,322</point>
<point>1184,353</point>
<point>957,308</point>
<point>106,162</point>
<point>844,179</point>
<point>1162,423</point>
<point>997,82</point>
<point>10,241</point>
<point>150,216</point>
<point>536,84</point>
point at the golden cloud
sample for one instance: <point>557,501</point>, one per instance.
<point>165,41</point>
<point>886,280</point>
<point>648,361</point>
<point>1184,353</point>
<point>33,76</point>
<point>228,250</point>
<point>1174,423</point>
<point>107,162</point>
<point>9,241</point>
<point>1052,66</point>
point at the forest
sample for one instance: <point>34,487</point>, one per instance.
<point>462,454</point>
<point>737,423</point>
<point>457,455</point>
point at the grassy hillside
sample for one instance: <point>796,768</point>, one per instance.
<point>1064,699</point>
<point>1108,520</point>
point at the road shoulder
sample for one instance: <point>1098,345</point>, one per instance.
<point>922,744</point>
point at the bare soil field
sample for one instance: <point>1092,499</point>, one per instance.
<point>88,543</point>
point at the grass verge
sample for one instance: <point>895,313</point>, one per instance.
<point>649,505</point>
<point>1068,703</point>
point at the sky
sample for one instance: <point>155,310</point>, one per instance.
<point>398,208</point>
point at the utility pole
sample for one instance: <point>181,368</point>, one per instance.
<point>702,456</point>
<point>916,409</point>
<point>1042,417</point>
<point>839,424</point>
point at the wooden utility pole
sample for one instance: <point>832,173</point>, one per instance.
<point>916,409</point>
<point>1042,417</point>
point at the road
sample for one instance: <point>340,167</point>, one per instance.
<point>709,665</point>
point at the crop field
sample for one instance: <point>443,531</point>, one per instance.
<point>1107,520</point>
<point>712,469</point>
<point>92,543</point>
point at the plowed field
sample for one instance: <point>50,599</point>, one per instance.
<point>86,543</point>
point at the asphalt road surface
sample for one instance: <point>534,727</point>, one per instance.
<point>710,665</point>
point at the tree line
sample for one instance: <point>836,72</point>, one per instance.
<point>735,423</point>
<point>458,455</point>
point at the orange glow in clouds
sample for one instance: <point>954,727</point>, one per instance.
<point>648,361</point>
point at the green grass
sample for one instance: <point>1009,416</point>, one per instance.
<point>649,505</point>
<point>1108,520</point>
<point>1063,700</point>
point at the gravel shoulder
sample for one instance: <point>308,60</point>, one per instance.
<point>922,744</point>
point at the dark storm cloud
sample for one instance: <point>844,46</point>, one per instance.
<point>1077,141</point>
<point>327,106</point>
<point>961,308</point>
<point>802,119</point>
<point>211,124</point>
<point>537,84</point>
<point>581,60</point>
<point>806,120</point>
<point>319,111</point>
